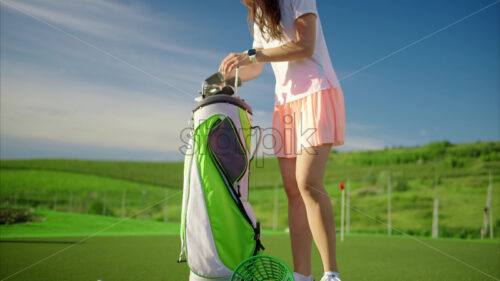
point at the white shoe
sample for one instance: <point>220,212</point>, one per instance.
<point>330,277</point>
<point>300,277</point>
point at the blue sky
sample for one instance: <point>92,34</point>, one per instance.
<point>116,79</point>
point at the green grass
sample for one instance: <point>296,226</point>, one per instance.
<point>154,258</point>
<point>73,246</point>
<point>63,224</point>
<point>39,187</point>
<point>412,209</point>
<point>462,187</point>
<point>155,173</point>
<point>59,224</point>
<point>475,160</point>
<point>145,250</point>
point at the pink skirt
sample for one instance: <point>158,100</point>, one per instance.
<point>318,118</point>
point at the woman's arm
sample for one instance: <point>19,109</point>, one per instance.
<point>247,72</point>
<point>301,47</point>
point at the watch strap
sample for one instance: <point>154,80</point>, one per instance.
<point>251,55</point>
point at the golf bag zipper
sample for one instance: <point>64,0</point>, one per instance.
<point>239,204</point>
<point>225,178</point>
<point>229,186</point>
<point>236,197</point>
<point>257,236</point>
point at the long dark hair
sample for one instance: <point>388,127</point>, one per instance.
<point>268,19</point>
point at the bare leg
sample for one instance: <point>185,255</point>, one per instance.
<point>300,234</point>
<point>310,169</point>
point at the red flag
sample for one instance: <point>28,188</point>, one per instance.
<point>341,185</point>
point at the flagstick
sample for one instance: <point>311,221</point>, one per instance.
<point>389,220</point>
<point>488,204</point>
<point>348,208</point>
<point>342,217</point>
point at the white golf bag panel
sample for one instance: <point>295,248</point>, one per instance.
<point>198,226</point>
<point>218,228</point>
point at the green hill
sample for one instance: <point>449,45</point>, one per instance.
<point>451,160</point>
<point>99,187</point>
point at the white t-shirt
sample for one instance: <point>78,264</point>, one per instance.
<point>298,78</point>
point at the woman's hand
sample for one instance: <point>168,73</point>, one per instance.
<point>233,60</point>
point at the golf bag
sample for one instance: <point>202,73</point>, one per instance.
<point>218,227</point>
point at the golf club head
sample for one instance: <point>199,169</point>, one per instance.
<point>212,90</point>
<point>216,78</point>
<point>226,90</point>
<point>213,85</point>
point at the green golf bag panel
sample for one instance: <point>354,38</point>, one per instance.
<point>246,127</point>
<point>218,227</point>
<point>233,234</point>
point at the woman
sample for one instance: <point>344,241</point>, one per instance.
<point>308,118</point>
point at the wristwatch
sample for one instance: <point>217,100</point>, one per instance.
<point>251,55</point>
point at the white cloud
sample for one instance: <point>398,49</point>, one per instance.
<point>73,112</point>
<point>65,88</point>
<point>131,24</point>
<point>135,28</point>
<point>55,88</point>
<point>96,27</point>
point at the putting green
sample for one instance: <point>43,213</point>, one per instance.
<point>147,250</point>
<point>154,258</point>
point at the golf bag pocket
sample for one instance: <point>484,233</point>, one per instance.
<point>226,150</point>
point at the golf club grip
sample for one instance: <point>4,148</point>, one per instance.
<point>236,78</point>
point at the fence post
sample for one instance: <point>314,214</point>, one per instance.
<point>124,199</point>
<point>104,203</point>
<point>389,218</point>
<point>435,216</point>
<point>15,200</point>
<point>70,205</point>
<point>276,202</point>
<point>165,210</point>
<point>87,203</point>
<point>55,200</point>
<point>488,214</point>
<point>490,209</point>
<point>142,214</point>
<point>348,207</point>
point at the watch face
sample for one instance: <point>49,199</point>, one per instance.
<point>251,52</point>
